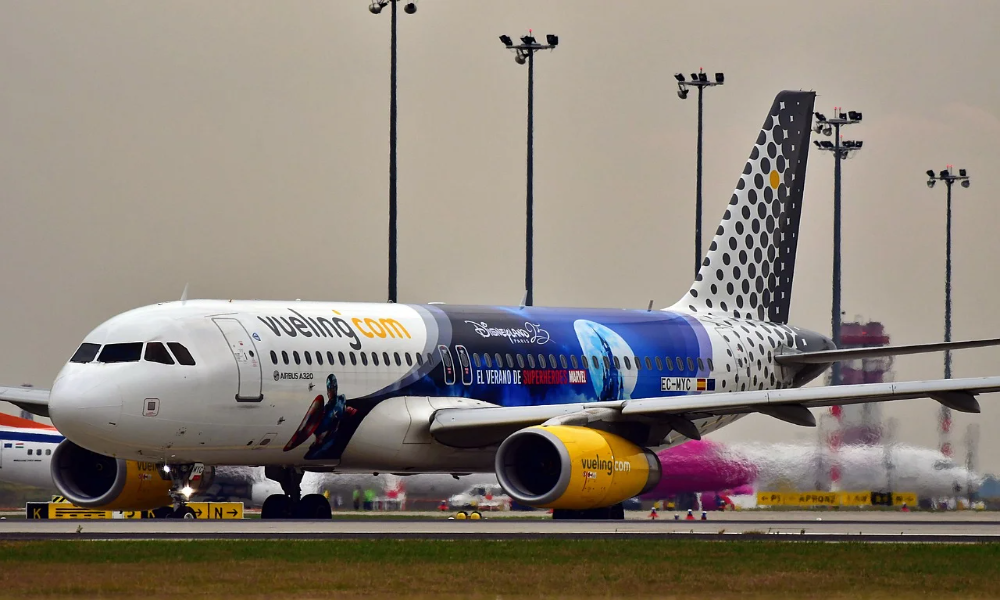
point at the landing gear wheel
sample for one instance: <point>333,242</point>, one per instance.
<point>313,506</point>
<point>276,506</point>
<point>183,512</point>
<point>164,512</point>
<point>607,513</point>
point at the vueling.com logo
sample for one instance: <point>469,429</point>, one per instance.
<point>299,324</point>
<point>599,464</point>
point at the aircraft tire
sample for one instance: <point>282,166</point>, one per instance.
<point>276,506</point>
<point>183,512</point>
<point>314,506</point>
<point>607,513</point>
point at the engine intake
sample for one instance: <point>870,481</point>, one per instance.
<point>91,480</point>
<point>577,468</point>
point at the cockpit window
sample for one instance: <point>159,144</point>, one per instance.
<point>183,356</point>
<point>85,353</point>
<point>155,352</point>
<point>119,353</point>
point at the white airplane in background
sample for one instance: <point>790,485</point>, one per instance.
<point>567,406</point>
<point>26,451</point>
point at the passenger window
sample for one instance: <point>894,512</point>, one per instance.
<point>498,360</point>
<point>155,352</point>
<point>593,359</point>
<point>628,363</point>
<point>29,451</point>
<point>340,355</point>
<point>284,357</point>
<point>690,364</point>
<point>354,360</point>
<point>572,359</point>
<point>420,358</point>
<point>488,361</point>
<point>463,359</point>
<point>181,354</point>
<point>48,452</point>
<point>510,361</point>
<point>274,358</point>
<point>670,364</point>
<point>399,362</point>
<point>308,357</point>
<point>296,358</point>
<point>541,362</point>
<point>638,363</point>
<point>531,361</point>
<point>701,364</point>
<point>364,358</point>
<point>649,364</point>
<point>385,359</point>
<point>409,359</point>
<point>618,364</point>
<point>85,353</point>
<point>680,364</point>
<point>659,364</point>
<point>520,361</point>
<point>562,361</point>
<point>375,358</point>
<point>607,363</point>
<point>475,359</point>
<point>711,367</point>
<point>331,360</point>
<point>552,361</point>
<point>119,353</point>
<point>319,357</point>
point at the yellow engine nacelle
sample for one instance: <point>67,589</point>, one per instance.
<point>575,468</point>
<point>90,480</point>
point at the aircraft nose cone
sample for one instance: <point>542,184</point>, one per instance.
<point>85,408</point>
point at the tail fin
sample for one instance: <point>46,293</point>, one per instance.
<point>747,272</point>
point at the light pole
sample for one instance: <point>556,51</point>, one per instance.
<point>525,53</point>
<point>409,8</point>
<point>841,149</point>
<point>700,81</point>
<point>948,178</point>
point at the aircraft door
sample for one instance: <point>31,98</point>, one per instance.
<point>448,364</point>
<point>247,360</point>
<point>465,364</point>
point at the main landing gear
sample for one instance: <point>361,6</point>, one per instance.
<point>608,513</point>
<point>292,504</point>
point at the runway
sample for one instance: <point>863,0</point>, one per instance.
<point>799,526</point>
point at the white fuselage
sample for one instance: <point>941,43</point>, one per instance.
<point>26,455</point>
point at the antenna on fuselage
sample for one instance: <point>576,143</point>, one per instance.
<point>184,294</point>
<point>650,307</point>
<point>524,298</point>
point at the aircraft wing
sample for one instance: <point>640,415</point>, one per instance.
<point>31,399</point>
<point>830,356</point>
<point>462,426</point>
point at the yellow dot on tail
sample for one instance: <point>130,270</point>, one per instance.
<point>775,179</point>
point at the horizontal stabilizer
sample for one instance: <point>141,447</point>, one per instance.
<point>832,356</point>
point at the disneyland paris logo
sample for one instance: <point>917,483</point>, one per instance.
<point>532,333</point>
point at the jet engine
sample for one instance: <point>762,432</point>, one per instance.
<point>575,468</point>
<point>90,480</point>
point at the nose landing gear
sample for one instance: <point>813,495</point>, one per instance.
<point>187,479</point>
<point>292,504</point>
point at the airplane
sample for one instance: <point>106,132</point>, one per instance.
<point>566,405</point>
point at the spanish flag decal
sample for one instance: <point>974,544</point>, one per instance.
<point>706,385</point>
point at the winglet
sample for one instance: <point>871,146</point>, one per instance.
<point>184,294</point>
<point>524,298</point>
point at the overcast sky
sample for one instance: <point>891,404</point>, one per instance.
<point>241,146</point>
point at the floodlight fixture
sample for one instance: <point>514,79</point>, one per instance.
<point>528,40</point>
<point>930,173</point>
<point>820,116</point>
<point>506,40</point>
<point>930,183</point>
<point>817,143</point>
<point>682,94</point>
<point>375,8</point>
<point>410,8</point>
<point>702,76</point>
<point>944,174</point>
<point>552,40</point>
<point>694,77</point>
<point>965,183</point>
<point>679,77</point>
<point>962,173</point>
<point>720,78</point>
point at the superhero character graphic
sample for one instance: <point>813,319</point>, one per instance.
<point>323,421</point>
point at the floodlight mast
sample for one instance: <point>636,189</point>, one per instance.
<point>841,149</point>
<point>699,80</point>
<point>525,53</point>
<point>375,8</point>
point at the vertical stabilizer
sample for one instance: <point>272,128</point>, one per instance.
<point>747,272</point>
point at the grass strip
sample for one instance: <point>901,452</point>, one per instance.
<point>376,569</point>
